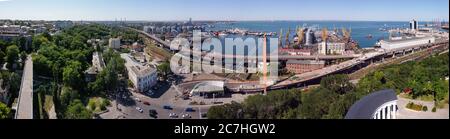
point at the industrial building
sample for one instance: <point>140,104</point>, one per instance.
<point>304,66</point>
<point>299,52</point>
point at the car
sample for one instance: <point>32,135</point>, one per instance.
<point>139,109</point>
<point>186,116</point>
<point>146,103</point>
<point>190,109</point>
<point>137,99</point>
<point>173,115</point>
<point>204,115</point>
<point>167,107</point>
<point>153,113</point>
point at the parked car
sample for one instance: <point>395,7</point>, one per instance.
<point>190,109</point>
<point>137,99</point>
<point>153,113</point>
<point>146,103</point>
<point>204,115</point>
<point>186,116</point>
<point>173,115</point>
<point>167,107</point>
<point>139,109</point>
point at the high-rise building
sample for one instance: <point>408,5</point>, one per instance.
<point>309,37</point>
<point>413,25</point>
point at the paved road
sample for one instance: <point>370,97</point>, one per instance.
<point>25,103</point>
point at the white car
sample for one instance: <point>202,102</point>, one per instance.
<point>139,109</point>
<point>137,99</point>
<point>186,116</point>
<point>173,115</point>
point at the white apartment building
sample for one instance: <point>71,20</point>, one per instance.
<point>327,48</point>
<point>142,76</point>
<point>114,43</point>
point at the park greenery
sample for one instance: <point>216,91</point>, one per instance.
<point>12,56</point>
<point>64,57</point>
<point>416,107</point>
<point>5,112</point>
<point>164,69</point>
<point>335,95</point>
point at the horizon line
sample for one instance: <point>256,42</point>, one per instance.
<point>265,20</point>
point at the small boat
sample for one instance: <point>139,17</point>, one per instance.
<point>223,34</point>
<point>369,36</point>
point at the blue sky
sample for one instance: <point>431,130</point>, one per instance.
<point>163,10</point>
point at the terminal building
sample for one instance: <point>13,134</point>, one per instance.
<point>403,42</point>
<point>143,77</point>
<point>378,105</point>
<point>209,88</point>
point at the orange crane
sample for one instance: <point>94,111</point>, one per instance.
<point>300,35</point>
<point>287,38</point>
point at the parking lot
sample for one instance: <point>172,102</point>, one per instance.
<point>132,105</point>
<point>158,106</point>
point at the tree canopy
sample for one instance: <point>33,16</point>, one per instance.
<point>5,112</point>
<point>12,55</point>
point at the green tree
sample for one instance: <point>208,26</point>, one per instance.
<point>23,57</point>
<point>2,58</point>
<point>316,104</point>
<point>47,36</point>
<point>164,69</point>
<point>41,65</point>
<point>12,55</point>
<point>14,82</point>
<point>67,96</point>
<point>227,111</point>
<point>38,40</point>
<point>5,112</point>
<point>72,74</point>
<point>77,110</point>
<point>337,83</point>
<point>108,80</point>
<point>441,89</point>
